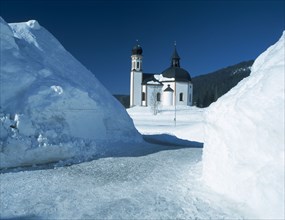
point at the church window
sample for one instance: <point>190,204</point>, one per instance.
<point>138,65</point>
<point>181,97</point>
<point>158,97</point>
<point>143,96</point>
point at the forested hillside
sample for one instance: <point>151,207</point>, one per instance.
<point>209,87</point>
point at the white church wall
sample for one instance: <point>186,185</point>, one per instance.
<point>165,85</point>
<point>182,88</point>
<point>167,98</point>
<point>151,94</point>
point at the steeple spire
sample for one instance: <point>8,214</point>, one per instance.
<point>175,57</point>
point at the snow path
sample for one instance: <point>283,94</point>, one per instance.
<point>162,185</point>
<point>189,121</point>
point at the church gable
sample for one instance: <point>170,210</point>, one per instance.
<point>149,78</point>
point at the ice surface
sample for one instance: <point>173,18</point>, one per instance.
<point>163,185</point>
<point>244,140</point>
<point>52,107</point>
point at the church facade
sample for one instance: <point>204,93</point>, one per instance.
<point>171,87</point>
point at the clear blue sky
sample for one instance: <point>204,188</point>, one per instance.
<point>100,34</point>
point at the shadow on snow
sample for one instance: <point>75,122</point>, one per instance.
<point>170,140</point>
<point>25,217</point>
<point>151,144</point>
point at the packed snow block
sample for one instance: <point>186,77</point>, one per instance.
<point>52,108</point>
<point>243,154</point>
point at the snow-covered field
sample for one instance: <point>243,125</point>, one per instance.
<point>93,164</point>
<point>189,123</point>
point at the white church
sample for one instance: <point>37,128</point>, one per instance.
<point>171,87</point>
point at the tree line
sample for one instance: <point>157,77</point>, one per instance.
<point>209,87</point>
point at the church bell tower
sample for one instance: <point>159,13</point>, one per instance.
<point>136,76</point>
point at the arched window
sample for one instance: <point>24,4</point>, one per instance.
<point>181,97</point>
<point>143,96</point>
<point>138,65</point>
<point>158,97</point>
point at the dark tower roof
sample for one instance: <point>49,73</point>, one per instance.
<point>175,58</point>
<point>175,71</point>
<point>175,54</point>
<point>137,49</point>
<point>168,89</point>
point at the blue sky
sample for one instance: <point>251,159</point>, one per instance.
<point>100,34</point>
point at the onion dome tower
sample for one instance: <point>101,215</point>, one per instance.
<point>137,57</point>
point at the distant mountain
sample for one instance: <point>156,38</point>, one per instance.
<point>209,87</point>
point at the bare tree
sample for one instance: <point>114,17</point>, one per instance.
<point>155,98</point>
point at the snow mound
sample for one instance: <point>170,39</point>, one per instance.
<point>243,154</point>
<point>33,24</point>
<point>51,107</point>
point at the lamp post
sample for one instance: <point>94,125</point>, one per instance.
<point>175,104</point>
<point>175,114</point>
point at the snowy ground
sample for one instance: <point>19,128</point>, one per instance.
<point>161,185</point>
<point>156,182</point>
<point>189,122</point>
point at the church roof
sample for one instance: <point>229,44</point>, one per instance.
<point>148,78</point>
<point>178,73</point>
<point>175,54</point>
